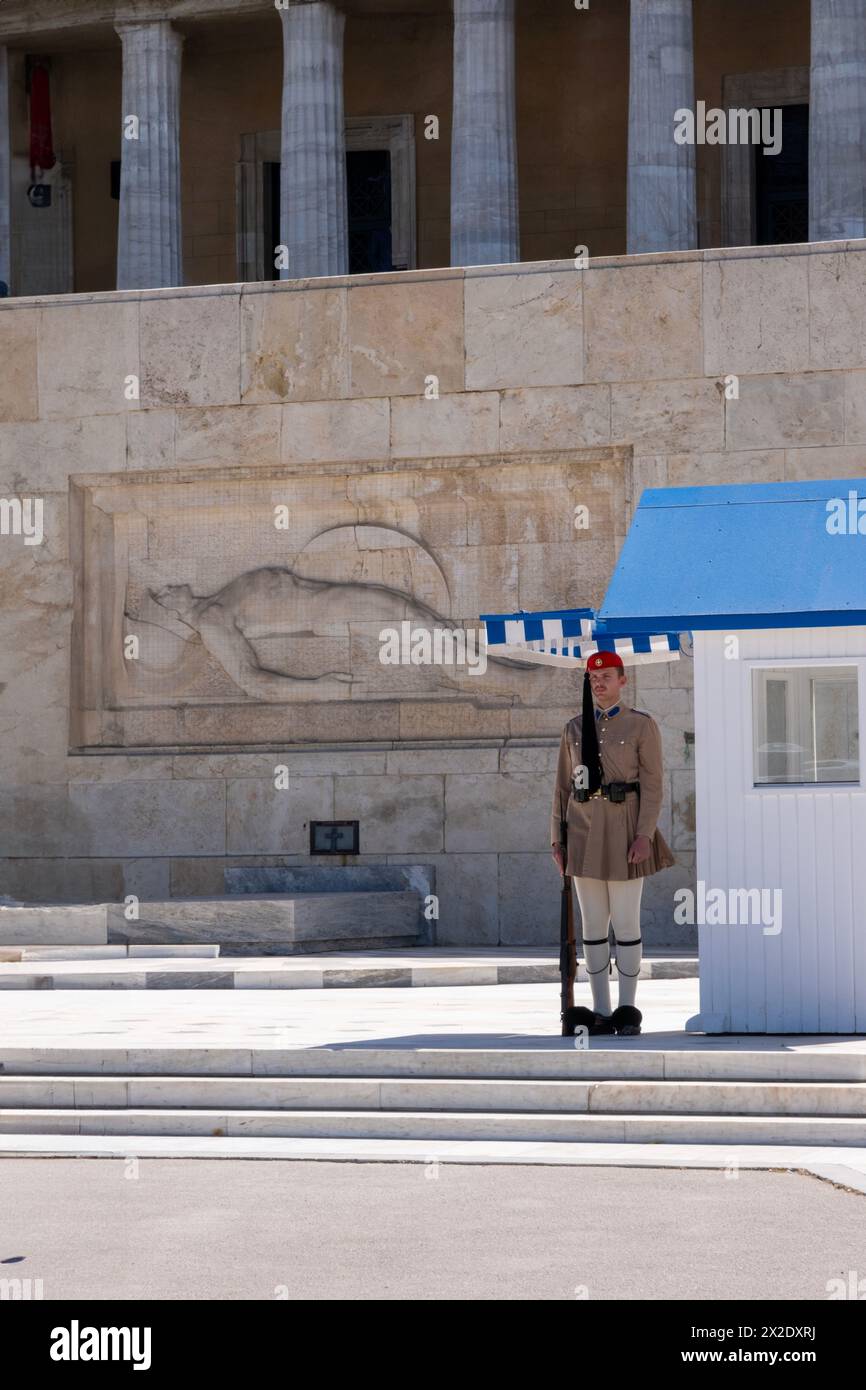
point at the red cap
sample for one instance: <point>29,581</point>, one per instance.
<point>599,660</point>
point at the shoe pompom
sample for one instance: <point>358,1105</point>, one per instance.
<point>627,1020</point>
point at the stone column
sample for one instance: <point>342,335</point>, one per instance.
<point>148,238</point>
<point>484,215</point>
<point>313,216</point>
<point>662,212</point>
<point>5,174</point>
<point>837,121</point>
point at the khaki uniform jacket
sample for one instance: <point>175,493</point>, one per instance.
<point>601,832</point>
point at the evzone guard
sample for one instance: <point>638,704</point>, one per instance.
<point>605,840</point>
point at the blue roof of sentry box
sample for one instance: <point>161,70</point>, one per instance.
<point>748,556</point>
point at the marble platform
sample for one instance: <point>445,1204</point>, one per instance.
<point>53,924</point>
<point>332,878</point>
<point>277,924</point>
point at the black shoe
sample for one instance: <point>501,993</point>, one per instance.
<point>626,1021</point>
<point>596,1025</point>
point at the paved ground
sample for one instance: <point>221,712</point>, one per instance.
<point>232,1230</point>
<point>483,1016</point>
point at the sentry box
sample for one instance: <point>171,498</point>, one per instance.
<point>770,579</point>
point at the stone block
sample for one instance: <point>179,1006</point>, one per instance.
<point>62,880</point>
<point>529,900</point>
<point>855,410</point>
<point>149,818</point>
<point>523,329</point>
<point>542,758</point>
<point>229,435</point>
<point>402,333</point>
<point>148,879</point>
<point>642,322</point>
<point>246,924</point>
<point>19,394</point>
<point>39,458</point>
<point>54,925</point>
<point>715,469</point>
<point>662,417</point>
<point>314,431</point>
<point>265,820</point>
<point>331,878</point>
<point>205,878</point>
<point>756,315</point>
<point>466,886</point>
<point>396,816</point>
<point>647,470</point>
<point>419,719</point>
<point>456,424</point>
<point>117,768</point>
<point>413,762</point>
<point>38,819</point>
<point>548,721</point>
<point>837,309</point>
<point>150,439</point>
<point>190,349</point>
<point>86,354</point>
<point>777,411</point>
<point>505,813</point>
<point>564,417</point>
<point>834,462</point>
<point>677,750</point>
<point>294,344</point>
<point>307,763</point>
<point>683,810</point>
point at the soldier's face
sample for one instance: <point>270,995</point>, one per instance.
<point>606,685</point>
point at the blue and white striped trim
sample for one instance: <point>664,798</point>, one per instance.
<point>567,638</point>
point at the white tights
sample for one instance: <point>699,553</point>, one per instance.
<point>601,902</point>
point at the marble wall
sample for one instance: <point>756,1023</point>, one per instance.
<point>160,430</point>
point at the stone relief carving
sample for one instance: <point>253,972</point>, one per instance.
<point>252,632</point>
<point>275,601</point>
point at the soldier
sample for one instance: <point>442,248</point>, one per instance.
<point>608,795</point>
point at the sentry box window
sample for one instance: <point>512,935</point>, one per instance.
<point>805,725</point>
<point>334,837</point>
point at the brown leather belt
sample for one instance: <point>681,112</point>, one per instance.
<point>619,790</point>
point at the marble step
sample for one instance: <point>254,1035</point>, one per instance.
<point>268,972</point>
<point>284,924</point>
<point>16,954</point>
<point>623,1062</point>
<point>433,1125</point>
<point>804,1099</point>
<point>54,924</point>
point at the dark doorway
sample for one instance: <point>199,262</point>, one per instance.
<point>368,195</point>
<point>782,183</point>
<point>368,182</point>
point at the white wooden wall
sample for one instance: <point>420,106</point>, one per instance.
<point>810,842</point>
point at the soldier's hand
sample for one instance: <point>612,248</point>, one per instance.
<point>640,849</point>
<point>559,856</point>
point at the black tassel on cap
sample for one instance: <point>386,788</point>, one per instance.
<point>589,754</point>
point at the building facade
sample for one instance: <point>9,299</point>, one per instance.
<point>220,482</point>
<point>194,138</point>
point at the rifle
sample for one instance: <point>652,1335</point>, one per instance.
<point>567,952</point>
